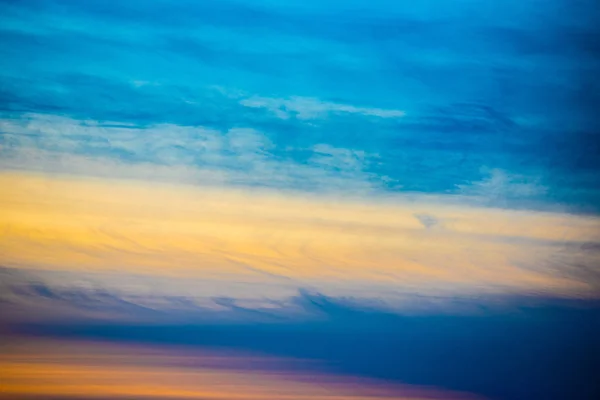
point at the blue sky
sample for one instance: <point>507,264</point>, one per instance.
<point>436,95</point>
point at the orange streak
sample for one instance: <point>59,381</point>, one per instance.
<point>101,370</point>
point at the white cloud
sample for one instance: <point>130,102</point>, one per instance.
<point>307,108</point>
<point>198,155</point>
<point>338,158</point>
<point>501,186</point>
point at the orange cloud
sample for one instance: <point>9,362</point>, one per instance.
<point>33,367</point>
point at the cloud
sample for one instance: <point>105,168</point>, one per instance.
<point>199,155</point>
<point>228,240</point>
<point>339,159</point>
<point>500,187</point>
<point>546,339</point>
<point>428,221</point>
<point>59,368</point>
<point>310,108</point>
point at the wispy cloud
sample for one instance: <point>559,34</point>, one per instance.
<point>310,108</point>
<point>200,155</point>
<point>500,185</point>
<point>266,238</point>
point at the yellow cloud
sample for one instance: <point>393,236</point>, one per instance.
<point>53,222</point>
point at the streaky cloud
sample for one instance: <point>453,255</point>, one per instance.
<point>307,108</point>
<point>551,342</point>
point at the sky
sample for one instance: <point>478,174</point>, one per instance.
<point>251,199</point>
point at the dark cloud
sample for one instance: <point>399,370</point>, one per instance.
<point>547,349</point>
<point>507,347</point>
<point>428,221</point>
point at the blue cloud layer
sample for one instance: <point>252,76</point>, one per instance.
<point>543,349</point>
